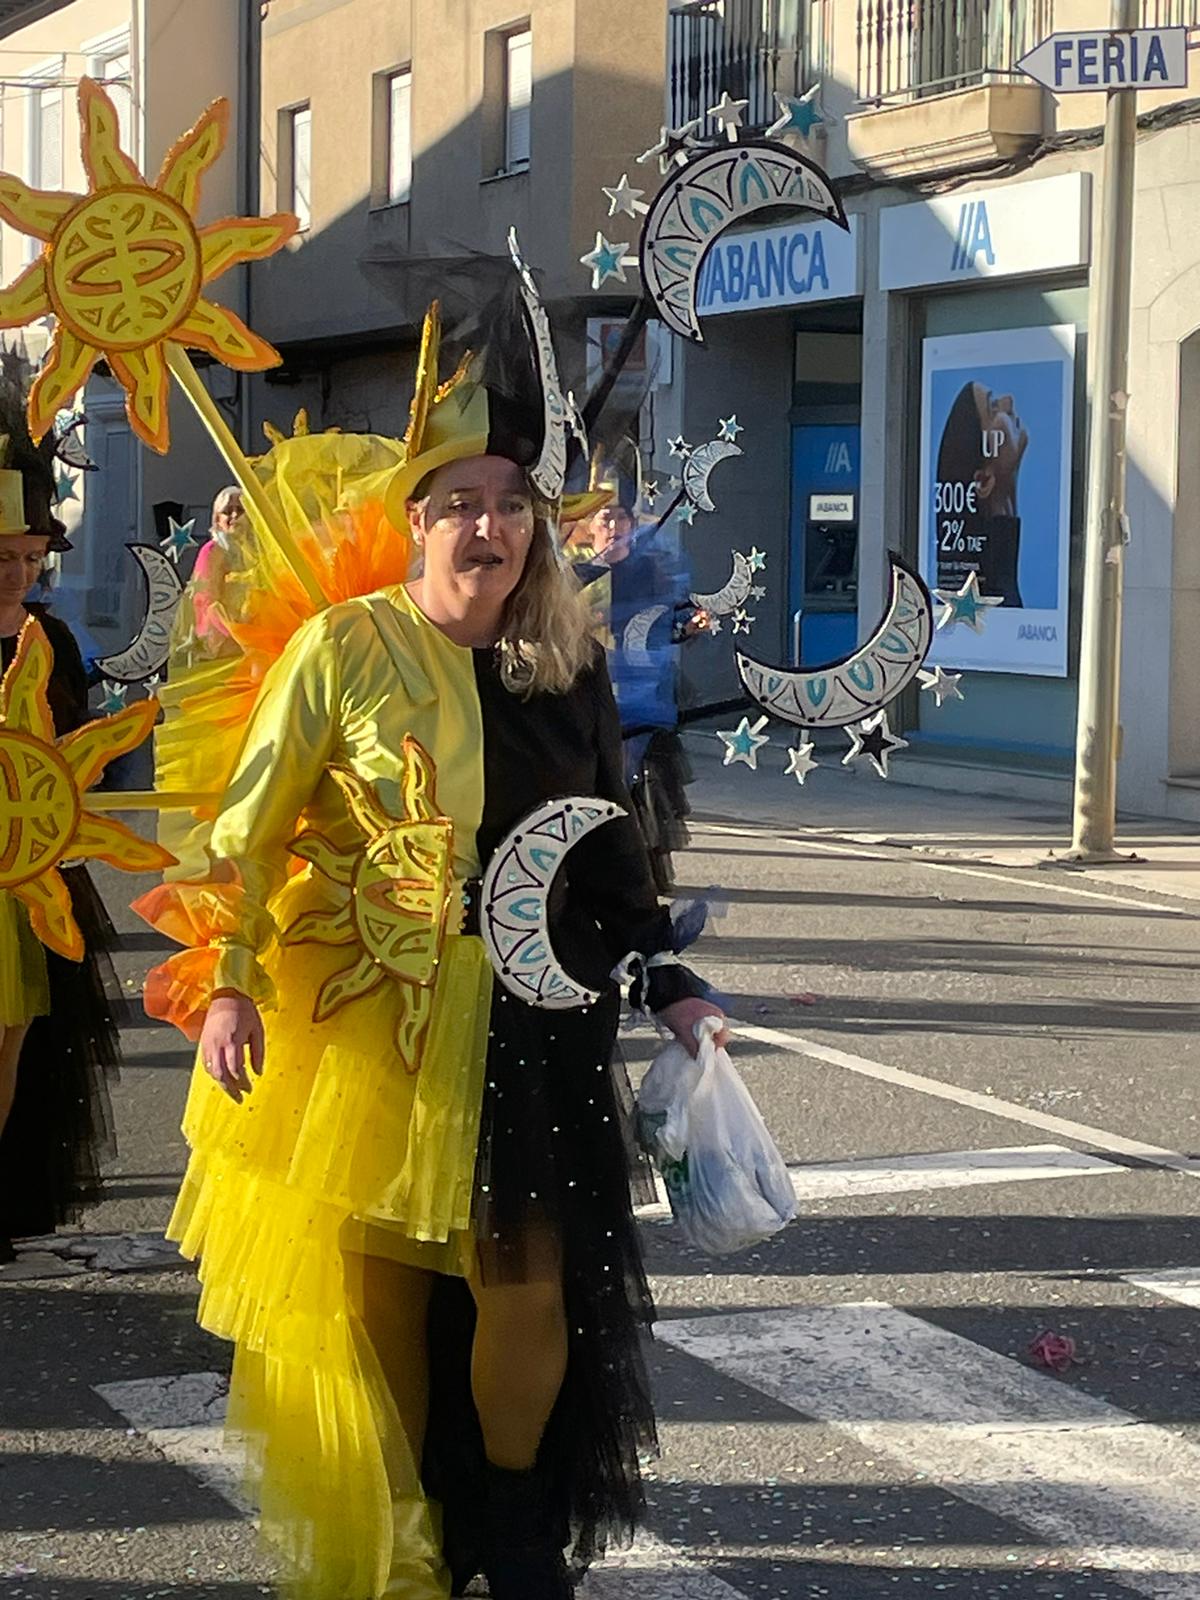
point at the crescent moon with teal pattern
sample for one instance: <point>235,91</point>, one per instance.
<point>846,691</point>
<point>514,896</point>
<point>701,200</point>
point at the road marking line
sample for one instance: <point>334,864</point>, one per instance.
<point>1173,1283</point>
<point>1014,879</point>
<point>1080,1132</point>
<point>183,1417</point>
<point>915,1174</point>
<point>1024,1446</point>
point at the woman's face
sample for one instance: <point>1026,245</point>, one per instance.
<point>225,513</point>
<point>1004,444</point>
<point>475,528</point>
<point>22,556</point>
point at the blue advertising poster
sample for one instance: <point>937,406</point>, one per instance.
<point>996,435</point>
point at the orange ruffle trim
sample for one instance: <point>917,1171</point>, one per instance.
<point>201,916</point>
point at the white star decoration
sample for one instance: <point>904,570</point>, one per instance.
<point>729,429</point>
<point>757,592</point>
<point>744,742</point>
<point>728,113</point>
<point>606,260</point>
<point>943,684</point>
<point>624,199</point>
<point>650,492</point>
<point>965,605</point>
<point>757,558</point>
<point>714,625</point>
<point>741,622</point>
<point>874,739</point>
<point>800,761</point>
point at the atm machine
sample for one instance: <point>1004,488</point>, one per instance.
<point>824,566</point>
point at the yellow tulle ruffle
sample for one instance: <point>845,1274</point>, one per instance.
<point>337,1149</point>
<point>24,993</point>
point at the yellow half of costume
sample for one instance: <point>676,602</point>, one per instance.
<point>349,746</point>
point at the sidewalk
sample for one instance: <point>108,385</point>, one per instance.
<point>854,804</point>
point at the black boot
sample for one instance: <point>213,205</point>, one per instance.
<point>524,1555</point>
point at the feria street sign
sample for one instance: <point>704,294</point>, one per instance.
<point>1082,63</point>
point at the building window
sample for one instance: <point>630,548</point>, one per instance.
<point>110,62</point>
<point>295,163</point>
<point>43,138</point>
<point>392,161</point>
<point>518,99</point>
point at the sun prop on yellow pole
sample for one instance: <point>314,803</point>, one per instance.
<point>124,271</point>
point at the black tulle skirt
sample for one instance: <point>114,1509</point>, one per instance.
<point>658,773</point>
<point>60,1128</point>
<point>556,1151</point>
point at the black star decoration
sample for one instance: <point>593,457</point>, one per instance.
<point>875,740</point>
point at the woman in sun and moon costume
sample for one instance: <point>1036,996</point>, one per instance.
<point>60,1042</point>
<point>426,1253</point>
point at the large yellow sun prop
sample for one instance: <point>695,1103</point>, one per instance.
<point>124,269</point>
<point>399,886</point>
<point>42,817</point>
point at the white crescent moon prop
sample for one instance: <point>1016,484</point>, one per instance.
<point>846,691</point>
<point>699,201</point>
<point>698,467</point>
<point>148,651</point>
<point>560,416</point>
<point>514,898</point>
<point>637,632</point>
<point>725,601</point>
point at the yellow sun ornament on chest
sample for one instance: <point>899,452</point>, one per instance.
<point>399,884</point>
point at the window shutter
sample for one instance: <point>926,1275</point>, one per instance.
<point>520,99</point>
<point>302,165</point>
<point>400,138</point>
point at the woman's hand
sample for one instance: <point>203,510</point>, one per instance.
<point>683,1015</point>
<point>231,1028</point>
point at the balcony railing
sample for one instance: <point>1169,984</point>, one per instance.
<point>751,48</point>
<point>911,48</point>
<point>1170,13</point>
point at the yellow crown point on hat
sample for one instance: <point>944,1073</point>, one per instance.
<point>12,501</point>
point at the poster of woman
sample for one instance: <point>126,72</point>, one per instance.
<point>996,491</point>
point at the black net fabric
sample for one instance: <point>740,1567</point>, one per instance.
<point>60,1130</point>
<point>658,788</point>
<point>556,1151</point>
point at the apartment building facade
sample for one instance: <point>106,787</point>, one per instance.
<point>162,63</point>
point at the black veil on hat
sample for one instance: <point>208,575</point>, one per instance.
<point>504,399</point>
<point>35,462</point>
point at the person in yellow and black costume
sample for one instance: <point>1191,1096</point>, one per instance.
<point>60,1044</point>
<point>410,1190</point>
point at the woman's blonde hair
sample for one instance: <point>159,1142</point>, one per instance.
<point>546,637</point>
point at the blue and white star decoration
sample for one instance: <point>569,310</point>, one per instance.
<point>607,260</point>
<point>114,698</point>
<point>965,605</point>
<point>797,114</point>
<point>744,742</point>
<point>730,428</point>
<point>64,486</point>
<point>757,558</point>
<point>180,538</point>
<point>687,514</point>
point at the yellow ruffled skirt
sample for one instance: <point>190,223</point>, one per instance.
<point>337,1148</point>
<point>24,987</point>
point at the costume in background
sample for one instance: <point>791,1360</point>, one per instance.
<point>60,1128</point>
<point>642,609</point>
<point>392,762</point>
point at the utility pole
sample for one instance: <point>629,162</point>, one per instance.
<point>1097,740</point>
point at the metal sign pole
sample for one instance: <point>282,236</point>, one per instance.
<point>1097,743</point>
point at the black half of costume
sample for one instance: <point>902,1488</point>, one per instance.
<point>556,1149</point>
<point>60,1128</point>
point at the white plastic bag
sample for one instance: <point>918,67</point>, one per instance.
<point>725,1178</point>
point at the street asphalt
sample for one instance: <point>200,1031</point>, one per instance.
<point>985,1081</point>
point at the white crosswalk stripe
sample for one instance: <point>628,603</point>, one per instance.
<point>183,1417</point>
<point>1118,1492</point>
<point>915,1174</point>
<point>1174,1283</point>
